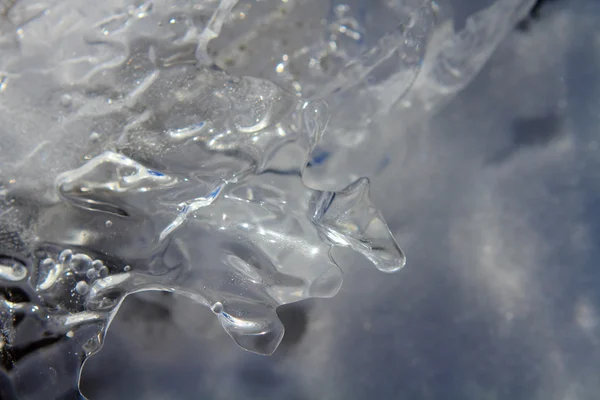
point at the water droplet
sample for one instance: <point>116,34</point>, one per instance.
<point>217,308</point>
<point>108,223</point>
<point>70,334</point>
<point>127,268</point>
<point>80,263</point>
<point>82,288</point>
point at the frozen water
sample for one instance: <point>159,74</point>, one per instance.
<point>168,145</point>
<point>440,62</point>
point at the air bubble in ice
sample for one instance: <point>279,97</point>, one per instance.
<point>94,137</point>
<point>217,308</point>
<point>91,273</point>
<point>47,263</point>
<point>65,256</point>
<point>80,263</point>
<point>82,288</point>
<point>103,272</point>
<point>12,270</point>
<point>49,273</point>
<point>66,100</point>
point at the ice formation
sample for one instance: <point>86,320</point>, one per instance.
<point>162,145</point>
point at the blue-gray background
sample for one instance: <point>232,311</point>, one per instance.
<point>496,203</point>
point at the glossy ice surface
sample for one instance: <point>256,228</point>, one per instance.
<point>216,150</point>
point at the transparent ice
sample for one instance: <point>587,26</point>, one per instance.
<point>213,149</point>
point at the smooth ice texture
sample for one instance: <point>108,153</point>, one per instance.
<point>165,145</point>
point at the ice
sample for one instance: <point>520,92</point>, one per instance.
<point>454,58</point>
<point>212,29</point>
<point>349,219</point>
<point>12,271</point>
<point>260,229</point>
<point>440,63</point>
<point>213,149</point>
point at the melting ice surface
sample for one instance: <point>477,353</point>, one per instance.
<point>162,145</point>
